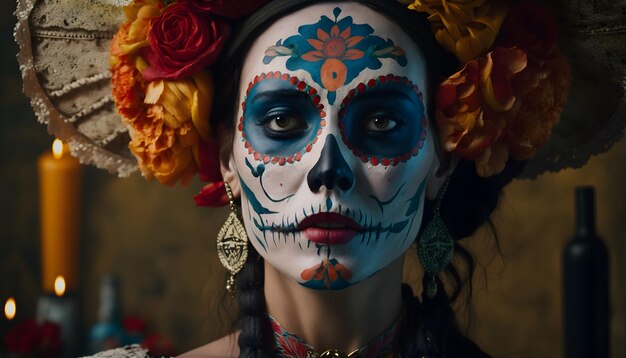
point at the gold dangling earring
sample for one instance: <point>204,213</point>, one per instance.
<point>232,244</point>
<point>435,245</point>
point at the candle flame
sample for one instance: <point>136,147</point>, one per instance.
<point>59,286</point>
<point>10,308</point>
<point>57,149</point>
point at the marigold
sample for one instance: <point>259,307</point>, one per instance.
<point>466,28</point>
<point>128,86</point>
<point>165,119</point>
<point>543,92</point>
<point>469,106</point>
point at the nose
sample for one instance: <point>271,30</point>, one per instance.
<point>331,170</point>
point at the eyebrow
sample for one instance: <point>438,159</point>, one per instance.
<point>280,93</point>
<point>389,92</point>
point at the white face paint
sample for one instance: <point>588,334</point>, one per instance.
<point>332,145</point>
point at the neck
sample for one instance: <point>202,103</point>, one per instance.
<point>346,319</point>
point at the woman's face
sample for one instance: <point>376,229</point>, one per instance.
<point>332,146</point>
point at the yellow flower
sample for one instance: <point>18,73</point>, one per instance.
<point>466,28</point>
<point>176,102</point>
<point>166,120</point>
<point>139,13</point>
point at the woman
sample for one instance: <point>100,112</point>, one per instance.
<point>346,136</point>
<point>338,170</point>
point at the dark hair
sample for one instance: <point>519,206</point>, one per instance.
<point>430,325</point>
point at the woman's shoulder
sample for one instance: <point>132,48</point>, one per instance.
<point>225,347</point>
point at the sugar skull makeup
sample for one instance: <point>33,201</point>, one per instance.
<point>333,149</point>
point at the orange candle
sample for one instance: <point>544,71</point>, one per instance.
<point>59,183</point>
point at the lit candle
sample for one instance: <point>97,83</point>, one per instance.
<point>10,309</point>
<point>59,183</point>
<point>62,309</point>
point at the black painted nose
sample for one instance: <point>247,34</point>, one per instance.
<point>331,170</point>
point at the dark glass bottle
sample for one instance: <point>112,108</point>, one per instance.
<point>586,285</point>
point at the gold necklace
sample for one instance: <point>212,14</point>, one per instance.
<point>291,346</point>
<point>333,353</point>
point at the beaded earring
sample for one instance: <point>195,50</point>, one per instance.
<point>232,244</point>
<point>435,245</point>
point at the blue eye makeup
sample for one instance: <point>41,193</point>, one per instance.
<point>382,121</point>
<point>282,118</point>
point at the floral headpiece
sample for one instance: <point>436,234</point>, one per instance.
<point>502,103</point>
<point>162,88</point>
<point>511,90</point>
<point>152,87</point>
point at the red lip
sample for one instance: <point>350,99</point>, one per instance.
<point>313,228</point>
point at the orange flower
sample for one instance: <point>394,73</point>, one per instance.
<point>471,108</point>
<point>126,79</point>
<point>176,116</point>
<point>166,153</point>
<point>179,101</point>
<point>334,48</point>
<point>466,28</point>
<point>543,92</point>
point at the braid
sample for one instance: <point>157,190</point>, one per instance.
<point>253,322</point>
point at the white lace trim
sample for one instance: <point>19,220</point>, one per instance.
<point>134,351</point>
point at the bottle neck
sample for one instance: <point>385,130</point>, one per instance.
<point>109,310</point>
<point>585,213</point>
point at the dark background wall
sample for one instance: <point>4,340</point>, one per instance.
<point>162,247</point>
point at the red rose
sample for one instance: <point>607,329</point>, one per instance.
<point>182,42</point>
<point>226,8</point>
<point>532,27</point>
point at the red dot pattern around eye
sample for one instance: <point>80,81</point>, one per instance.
<point>300,86</point>
<point>364,87</point>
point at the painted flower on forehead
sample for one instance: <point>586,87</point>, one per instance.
<point>182,42</point>
<point>334,52</point>
<point>466,28</point>
<point>227,8</point>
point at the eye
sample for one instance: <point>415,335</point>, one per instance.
<point>283,124</point>
<point>380,123</point>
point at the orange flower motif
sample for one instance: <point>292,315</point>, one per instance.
<point>334,48</point>
<point>327,272</point>
<point>472,107</point>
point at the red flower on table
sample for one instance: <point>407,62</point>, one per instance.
<point>334,48</point>
<point>34,339</point>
